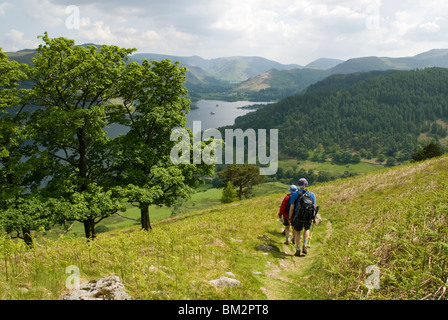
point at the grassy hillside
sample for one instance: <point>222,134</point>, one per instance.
<point>393,219</point>
<point>205,197</point>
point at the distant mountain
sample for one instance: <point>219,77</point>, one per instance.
<point>259,78</point>
<point>230,69</point>
<point>276,84</point>
<point>433,58</point>
<point>22,56</point>
<point>324,63</point>
<point>296,80</point>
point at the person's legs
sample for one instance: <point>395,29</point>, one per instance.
<point>286,231</point>
<point>293,238</point>
<point>297,240</point>
<point>306,235</point>
<point>297,230</point>
<point>287,234</point>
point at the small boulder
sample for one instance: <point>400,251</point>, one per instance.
<point>265,247</point>
<point>109,288</point>
<point>225,282</point>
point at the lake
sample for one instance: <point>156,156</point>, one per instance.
<point>214,113</point>
<point>224,114</point>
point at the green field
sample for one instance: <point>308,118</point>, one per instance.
<point>327,166</point>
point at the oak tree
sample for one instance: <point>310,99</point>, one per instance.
<point>154,104</point>
<point>75,87</point>
<point>20,204</point>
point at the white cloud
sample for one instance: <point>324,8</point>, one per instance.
<point>430,27</point>
<point>15,40</point>
<point>150,35</point>
<point>97,32</point>
<point>44,12</point>
<point>283,30</point>
<point>429,31</point>
<point>4,6</point>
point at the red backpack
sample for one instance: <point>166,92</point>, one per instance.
<point>284,208</point>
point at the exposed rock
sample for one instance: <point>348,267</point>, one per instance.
<point>160,292</point>
<point>265,247</point>
<point>225,282</point>
<point>318,219</point>
<point>23,290</point>
<point>109,288</point>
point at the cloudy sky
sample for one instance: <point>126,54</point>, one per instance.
<point>287,31</point>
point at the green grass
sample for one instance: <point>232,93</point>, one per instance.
<point>395,219</point>
<point>205,197</point>
<point>327,166</point>
<point>178,257</point>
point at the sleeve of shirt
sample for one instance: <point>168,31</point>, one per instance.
<point>293,198</point>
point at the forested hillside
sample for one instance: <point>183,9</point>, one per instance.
<point>377,114</point>
<point>277,84</point>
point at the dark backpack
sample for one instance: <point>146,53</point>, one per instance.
<point>304,207</point>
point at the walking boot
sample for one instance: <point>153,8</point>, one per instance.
<point>304,251</point>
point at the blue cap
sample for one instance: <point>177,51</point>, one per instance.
<point>292,188</point>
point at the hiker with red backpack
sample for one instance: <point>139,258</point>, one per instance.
<point>283,213</point>
<point>302,213</point>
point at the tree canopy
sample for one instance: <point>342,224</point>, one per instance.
<point>243,177</point>
<point>154,104</point>
<point>431,150</point>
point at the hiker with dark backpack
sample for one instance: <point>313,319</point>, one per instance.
<point>283,214</point>
<point>302,213</point>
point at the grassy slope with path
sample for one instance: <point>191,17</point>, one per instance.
<point>395,219</point>
<point>207,197</point>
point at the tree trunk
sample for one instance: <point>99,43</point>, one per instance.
<point>146,223</point>
<point>27,237</point>
<point>89,224</point>
<point>89,229</point>
<point>240,192</point>
<point>82,165</point>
